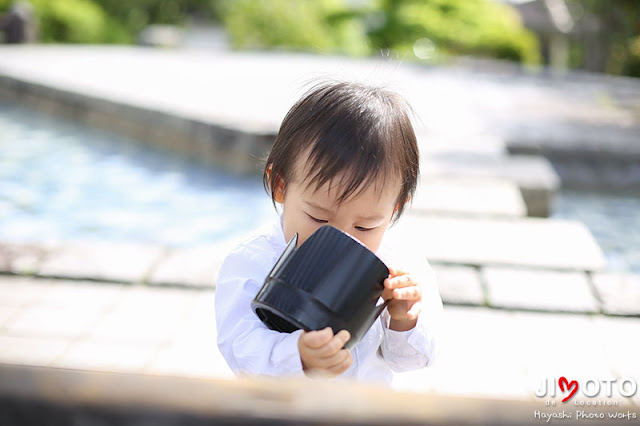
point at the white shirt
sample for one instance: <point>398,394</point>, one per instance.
<point>250,347</point>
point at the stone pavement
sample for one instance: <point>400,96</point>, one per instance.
<point>524,263</point>
<point>526,299</point>
<point>171,331</point>
<point>79,324</point>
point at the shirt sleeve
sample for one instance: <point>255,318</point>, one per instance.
<point>248,346</point>
<point>418,347</point>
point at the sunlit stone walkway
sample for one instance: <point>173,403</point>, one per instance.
<point>526,299</point>
<point>171,331</point>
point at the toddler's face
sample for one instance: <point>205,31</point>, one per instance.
<point>365,216</point>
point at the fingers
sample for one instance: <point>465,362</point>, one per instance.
<point>407,293</point>
<point>317,339</point>
<point>344,365</point>
<point>402,287</point>
<point>334,370</point>
<point>414,311</point>
<point>395,272</point>
<point>328,356</point>
<point>334,345</point>
<point>406,299</point>
<point>336,360</point>
<point>399,281</point>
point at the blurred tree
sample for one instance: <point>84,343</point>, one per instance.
<point>135,15</point>
<point>413,29</point>
<point>108,21</point>
<point>73,21</point>
<point>616,47</point>
<point>458,27</point>
<point>319,25</point>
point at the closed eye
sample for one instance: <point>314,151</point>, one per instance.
<point>315,219</point>
<point>362,229</point>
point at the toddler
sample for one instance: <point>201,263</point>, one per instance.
<point>345,155</point>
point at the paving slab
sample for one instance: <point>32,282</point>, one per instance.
<point>619,292</point>
<point>559,291</point>
<point>508,354</point>
<point>18,292</point>
<point>81,295</point>
<point>157,323</point>
<point>539,243</point>
<point>53,322</point>
<point>197,266</point>
<point>533,175</point>
<point>29,350</point>
<point>192,359</point>
<point>622,352</point>
<point>105,356</point>
<point>484,352</point>
<point>194,350</point>
<point>459,284</point>
<point>6,313</point>
<point>102,261</point>
<point>566,345</point>
<point>467,196</point>
<point>176,302</point>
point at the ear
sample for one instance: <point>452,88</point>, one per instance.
<point>278,189</point>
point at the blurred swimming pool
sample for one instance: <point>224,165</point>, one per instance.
<point>61,181</point>
<point>612,217</point>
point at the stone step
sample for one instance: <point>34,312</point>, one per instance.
<point>468,196</point>
<point>610,293</point>
<point>531,242</point>
<point>589,142</point>
<point>533,175</point>
<point>556,291</point>
<point>101,261</point>
<point>459,285</point>
<point>619,292</point>
<point>195,266</point>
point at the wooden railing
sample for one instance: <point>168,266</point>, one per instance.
<point>48,396</point>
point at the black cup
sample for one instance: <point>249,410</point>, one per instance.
<point>331,280</point>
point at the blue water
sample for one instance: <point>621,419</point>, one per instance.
<point>61,181</point>
<point>612,217</point>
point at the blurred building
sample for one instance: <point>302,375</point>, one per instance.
<point>19,24</point>
<point>560,25</point>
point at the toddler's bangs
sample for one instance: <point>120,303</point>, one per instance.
<point>350,135</point>
<point>348,165</point>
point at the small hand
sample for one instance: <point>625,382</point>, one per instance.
<point>405,300</point>
<point>322,353</point>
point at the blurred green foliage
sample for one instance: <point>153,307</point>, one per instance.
<point>107,21</point>
<point>454,27</point>
<point>135,15</point>
<point>73,21</point>
<point>440,27</point>
<point>410,29</point>
<point>618,35</point>
<point>318,25</point>
<point>76,21</point>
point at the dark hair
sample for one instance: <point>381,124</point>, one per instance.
<point>363,133</point>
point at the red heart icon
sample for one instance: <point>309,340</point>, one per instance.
<point>569,384</point>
